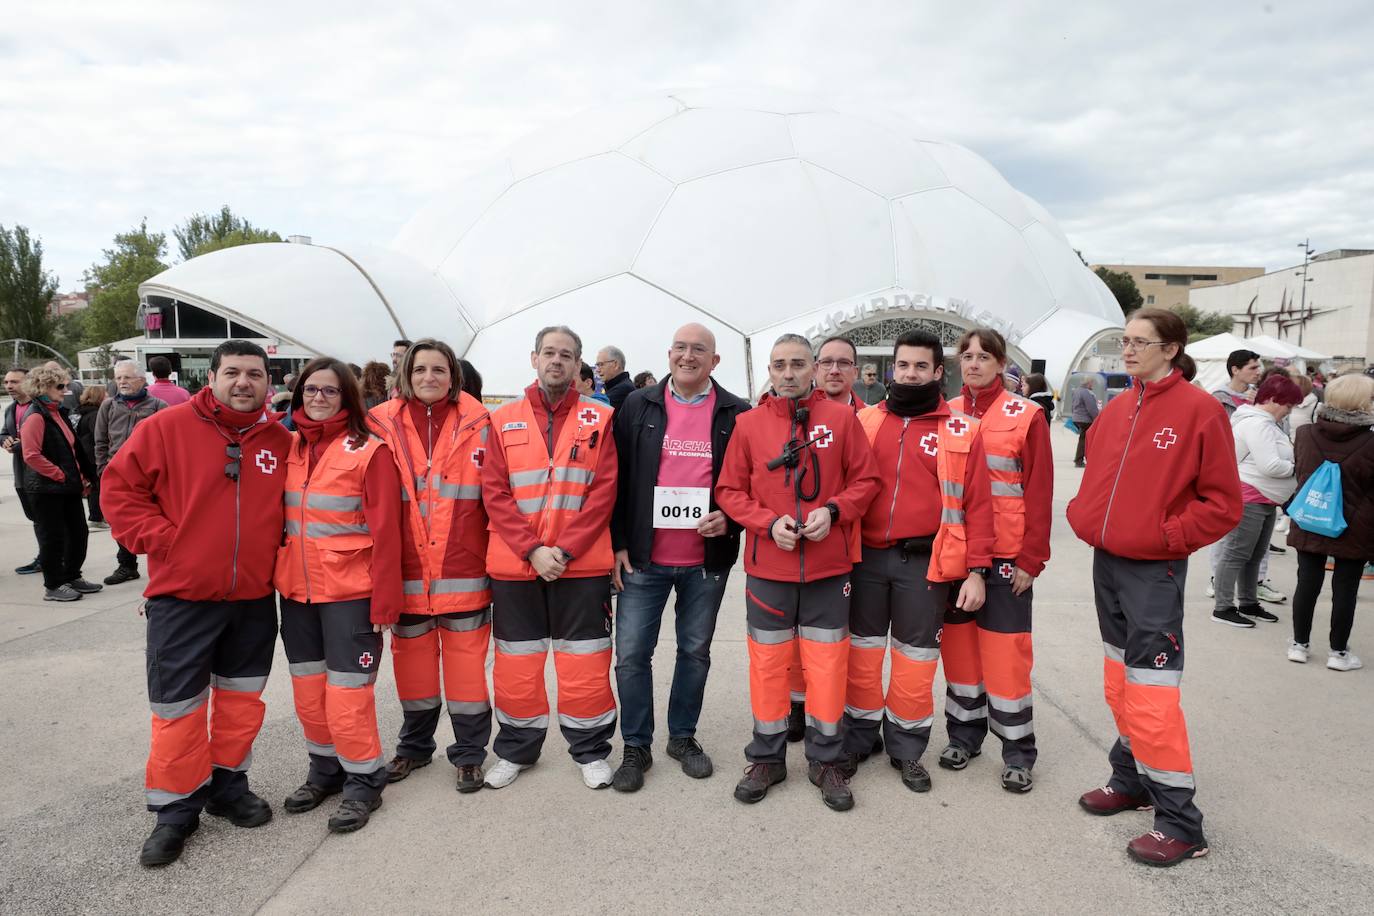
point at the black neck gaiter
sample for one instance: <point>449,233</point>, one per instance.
<point>913,400</point>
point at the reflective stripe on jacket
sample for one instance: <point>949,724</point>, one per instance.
<point>550,490</point>
<point>1004,428</point>
<point>326,552</point>
<point>444,548</point>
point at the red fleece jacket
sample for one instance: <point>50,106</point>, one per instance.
<point>166,494</point>
<point>1161,480</point>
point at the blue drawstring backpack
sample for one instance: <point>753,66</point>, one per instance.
<point>1318,507</point>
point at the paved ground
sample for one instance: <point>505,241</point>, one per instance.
<point>1283,755</point>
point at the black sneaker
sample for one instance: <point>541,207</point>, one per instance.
<point>796,721</point>
<point>954,757</point>
<point>758,777</point>
<point>28,569</point>
<point>1017,779</point>
<point>850,765</point>
<point>61,593</point>
<point>245,811</point>
<point>914,774</point>
<point>1232,617</point>
<point>688,752</point>
<point>353,814</point>
<point>1258,613</point>
<point>834,786</point>
<point>165,843</point>
<point>84,587</point>
<point>121,575</point>
<point>630,776</point>
<point>470,778</point>
<point>308,797</point>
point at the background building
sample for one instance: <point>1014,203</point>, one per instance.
<point>1333,316</point>
<point>753,213</point>
<point>1169,285</point>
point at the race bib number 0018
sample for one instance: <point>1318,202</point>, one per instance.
<point>681,507</point>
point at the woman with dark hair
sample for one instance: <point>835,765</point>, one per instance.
<point>1037,388</point>
<point>87,408</point>
<point>438,436</point>
<point>1161,482</point>
<point>55,475</point>
<point>645,380</point>
<point>472,380</point>
<point>1264,455</point>
<point>988,653</point>
<point>339,575</point>
<point>374,384</point>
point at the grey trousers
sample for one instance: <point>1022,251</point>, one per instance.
<point>1239,556</point>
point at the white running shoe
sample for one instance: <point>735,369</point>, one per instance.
<point>503,773</point>
<point>1211,588</point>
<point>1343,661</point>
<point>1266,592</point>
<point>597,774</point>
<point>1298,652</point>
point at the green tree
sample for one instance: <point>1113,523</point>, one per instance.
<point>68,333</point>
<point>113,283</point>
<point>203,233</point>
<point>1202,324</point>
<point>26,289</point>
<point>1123,288</point>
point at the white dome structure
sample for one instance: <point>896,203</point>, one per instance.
<point>753,213</point>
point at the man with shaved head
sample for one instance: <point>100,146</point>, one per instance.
<point>668,534</point>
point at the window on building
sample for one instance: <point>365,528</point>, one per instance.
<point>1177,279</point>
<point>1152,276</point>
<point>1149,300</point>
<point>1204,278</point>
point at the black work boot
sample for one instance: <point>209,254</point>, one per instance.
<point>470,778</point>
<point>914,774</point>
<point>401,767</point>
<point>308,797</point>
<point>758,777</point>
<point>796,721</point>
<point>245,811</point>
<point>834,787</point>
<point>353,814</point>
<point>688,752</point>
<point>630,775</point>
<point>121,575</point>
<point>165,843</point>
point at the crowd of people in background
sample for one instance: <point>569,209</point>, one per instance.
<point>872,518</point>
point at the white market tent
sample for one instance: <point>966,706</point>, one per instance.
<point>754,213</point>
<point>1292,350</point>
<point>1210,353</point>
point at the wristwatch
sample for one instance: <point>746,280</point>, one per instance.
<point>983,571</point>
<point>834,512</point>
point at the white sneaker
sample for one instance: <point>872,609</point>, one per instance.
<point>503,773</point>
<point>1265,592</point>
<point>596,775</point>
<point>1298,652</point>
<point>1211,588</point>
<point>1343,661</point>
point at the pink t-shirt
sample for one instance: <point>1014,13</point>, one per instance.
<point>684,462</point>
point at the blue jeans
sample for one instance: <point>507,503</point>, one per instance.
<point>639,611</point>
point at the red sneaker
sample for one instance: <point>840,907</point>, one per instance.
<point>1107,801</point>
<point>1154,848</point>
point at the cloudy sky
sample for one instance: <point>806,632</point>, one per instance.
<point>1188,133</point>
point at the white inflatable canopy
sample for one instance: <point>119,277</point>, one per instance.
<point>754,213</point>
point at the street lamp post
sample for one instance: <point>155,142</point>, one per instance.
<point>1307,252</point>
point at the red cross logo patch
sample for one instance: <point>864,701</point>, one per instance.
<point>266,461</point>
<point>930,444</point>
<point>1012,407</point>
<point>478,456</point>
<point>1165,438</point>
<point>1161,660</point>
<point>588,416</point>
<point>956,426</point>
<point>1005,570</point>
<point>847,589</point>
<point>352,445</point>
<point>365,660</point>
<point>821,435</point>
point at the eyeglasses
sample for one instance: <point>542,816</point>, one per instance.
<point>234,451</point>
<point>604,362</point>
<point>1139,343</point>
<point>329,391</point>
<point>827,364</point>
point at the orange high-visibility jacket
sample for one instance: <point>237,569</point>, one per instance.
<point>1004,429</point>
<point>444,547</point>
<point>326,552</point>
<point>949,554</point>
<point>549,490</point>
